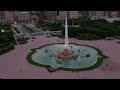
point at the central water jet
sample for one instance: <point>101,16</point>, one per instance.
<point>66,53</point>
<point>66,45</point>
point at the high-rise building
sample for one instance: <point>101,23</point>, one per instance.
<point>99,13</point>
<point>34,15</point>
<point>118,13</point>
<point>69,14</point>
<point>50,15</point>
<point>114,13</point>
<point>62,14</point>
<point>1,15</point>
<point>9,16</point>
<point>22,16</point>
<point>73,14</point>
<point>92,13</point>
<point>83,13</point>
<point>27,16</point>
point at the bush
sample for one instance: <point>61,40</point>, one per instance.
<point>28,29</point>
<point>116,23</point>
<point>88,36</point>
<point>22,40</point>
<point>6,48</point>
<point>7,40</point>
<point>51,26</point>
<point>6,37</point>
<point>5,26</point>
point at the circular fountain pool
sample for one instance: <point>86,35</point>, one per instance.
<point>45,56</point>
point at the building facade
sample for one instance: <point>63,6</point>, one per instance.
<point>1,15</point>
<point>50,15</point>
<point>83,13</point>
<point>22,16</point>
<point>69,14</point>
<point>28,16</point>
<point>9,16</point>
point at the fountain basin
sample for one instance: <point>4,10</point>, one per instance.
<point>40,58</point>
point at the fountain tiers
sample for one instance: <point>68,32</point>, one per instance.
<point>66,54</point>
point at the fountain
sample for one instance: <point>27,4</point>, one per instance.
<point>66,56</point>
<point>66,53</point>
<point>66,46</point>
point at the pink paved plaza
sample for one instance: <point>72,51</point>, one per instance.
<point>13,65</point>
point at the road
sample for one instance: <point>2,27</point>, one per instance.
<point>37,30</point>
<point>22,30</point>
<point>34,28</point>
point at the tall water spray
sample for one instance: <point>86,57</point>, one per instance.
<point>66,45</point>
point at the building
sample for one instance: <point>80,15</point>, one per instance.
<point>22,16</point>
<point>69,14</point>
<point>1,15</point>
<point>62,14</point>
<point>114,13</point>
<point>9,16</point>
<point>99,13</point>
<point>73,14</point>
<point>50,15</point>
<point>83,13</point>
<point>34,16</point>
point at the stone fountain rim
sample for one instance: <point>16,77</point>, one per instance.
<point>48,67</point>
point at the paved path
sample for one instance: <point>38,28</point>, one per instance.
<point>13,65</point>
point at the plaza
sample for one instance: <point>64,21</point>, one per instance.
<point>13,65</point>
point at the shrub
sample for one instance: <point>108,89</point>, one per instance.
<point>88,36</point>
<point>28,29</point>
<point>6,48</point>
<point>22,40</point>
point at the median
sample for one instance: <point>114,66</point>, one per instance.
<point>28,29</point>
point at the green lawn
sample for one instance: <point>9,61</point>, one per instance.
<point>16,29</point>
<point>22,40</point>
<point>28,29</point>
<point>7,40</point>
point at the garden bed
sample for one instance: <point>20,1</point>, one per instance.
<point>28,29</point>
<point>16,29</point>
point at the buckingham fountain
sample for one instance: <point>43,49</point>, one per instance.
<point>66,56</point>
<point>66,53</point>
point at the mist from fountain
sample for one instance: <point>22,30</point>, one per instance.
<point>66,45</point>
<point>66,53</point>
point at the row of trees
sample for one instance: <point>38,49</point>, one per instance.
<point>7,40</point>
<point>6,48</point>
<point>5,26</point>
<point>87,28</point>
<point>50,26</point>
<point>22,40</point>
<point>94,29</point>
<point>6,37</point>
